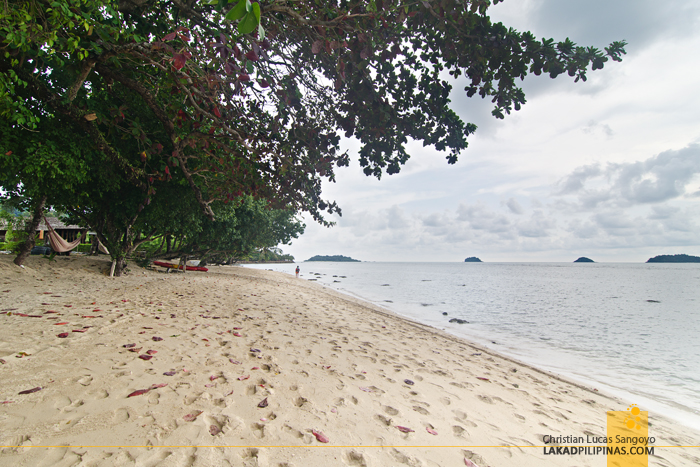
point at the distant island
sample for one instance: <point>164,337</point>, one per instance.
<point>472,259</point>
<point>583,259</point>
<point>339,258</point>
<point>674,259</point>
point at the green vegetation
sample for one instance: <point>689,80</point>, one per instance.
<point>339,258</point>
<point>674,259</point>
<point>188,123</point>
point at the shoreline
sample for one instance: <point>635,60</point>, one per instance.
<point>325,361</point>
<point>531,353</point>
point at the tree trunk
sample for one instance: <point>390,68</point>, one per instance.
<point>94,243</point>
<point>26,248</point>
<point>119,266</point>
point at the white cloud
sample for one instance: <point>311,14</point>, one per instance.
<point>608,169</point>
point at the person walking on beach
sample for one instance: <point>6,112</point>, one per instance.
<point>297,271</point>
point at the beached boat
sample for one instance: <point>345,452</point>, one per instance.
<point>176,266</point>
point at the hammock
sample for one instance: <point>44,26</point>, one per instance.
<point>58,244</point>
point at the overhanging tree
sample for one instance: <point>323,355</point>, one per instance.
<point>252,98</point>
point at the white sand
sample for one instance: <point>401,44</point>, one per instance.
<point>327,363</point>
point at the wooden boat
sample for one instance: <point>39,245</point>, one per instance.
<point>175,266</point>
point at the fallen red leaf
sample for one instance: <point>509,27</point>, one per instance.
<point>469,463</point>
<point>79,330</point>
<point>190,417</point>
<point>67,306</point>
<point>29,391</point>
<point>63,334</point>
<point>237,334</point>
<point>235,362</point>
<point>159,385</point>
<point>145,357</point>
<point>59,324</point>
<point>129,346</point>
<point>213,377</point>
<point>151,352</point>
<point>263,403</point>
<point>214,430</point>
<point>431,431</point>
<point>169,373</point>
<point>156,338</point>
<point>404,429</point>
<point>320,436</point>
<point>138,392</point>
<point>136,349</point>
<point>482,379</point>
<point>243,378</point>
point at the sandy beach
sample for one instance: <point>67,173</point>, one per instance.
<point>243,367</point>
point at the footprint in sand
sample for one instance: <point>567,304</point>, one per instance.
<point>258,430</point>
<point>420,410</point>
<point>382,419</point>
<point>403,458</point>
<point>98,394</point>
<point>73,406</point>
<point>189,400</point>
<point>251,456</point>
<point>458,431</point>
<point>355,459</point>
<point>85,380</point>
<point>390,410</point>
<point>120,415</point>
<point>301,401</point>
<point>153,398</point>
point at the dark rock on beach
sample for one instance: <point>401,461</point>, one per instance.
<point>458,321</point>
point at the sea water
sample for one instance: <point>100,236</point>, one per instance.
<point>629,329</point>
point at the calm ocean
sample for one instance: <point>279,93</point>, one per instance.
<point>632,330</point>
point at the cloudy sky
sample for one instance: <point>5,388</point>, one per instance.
<point>608,169</point>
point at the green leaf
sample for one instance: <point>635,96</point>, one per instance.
<point>248,23</point>
<point>238,11</point>
<point>256,11</point>
<point>261,32</point>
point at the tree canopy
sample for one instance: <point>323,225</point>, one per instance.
<point>234,99</point>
